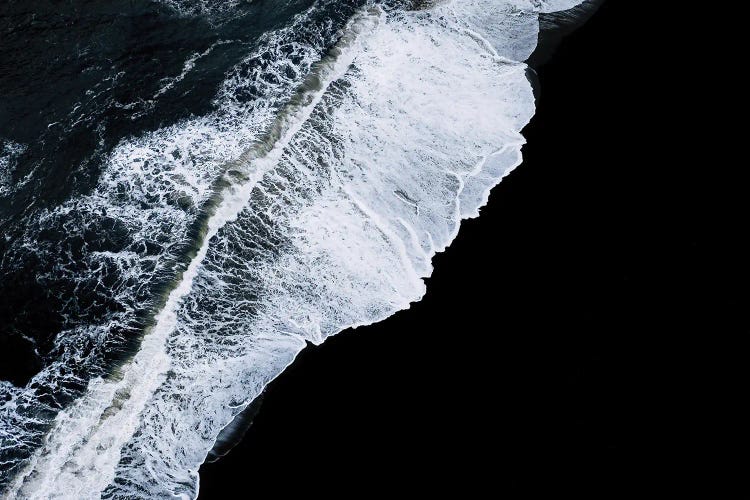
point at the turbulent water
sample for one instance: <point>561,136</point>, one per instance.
<point>190,191</point>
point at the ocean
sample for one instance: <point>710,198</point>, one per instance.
<point>192,192</point>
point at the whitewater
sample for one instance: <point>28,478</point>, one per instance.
<point>315,209</point>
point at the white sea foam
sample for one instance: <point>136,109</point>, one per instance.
<point>9,153</point>
<point>555,5</point>
<point>152,188</point>
<point>203,7</point>
<point>410,122</point>
<point>187,67</point>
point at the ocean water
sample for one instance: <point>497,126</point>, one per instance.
<point>190,192</point>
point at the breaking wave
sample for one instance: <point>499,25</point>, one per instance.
<point>340,158</point>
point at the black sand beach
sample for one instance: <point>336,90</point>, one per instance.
<point>159,264</point>
<point>529,367</point>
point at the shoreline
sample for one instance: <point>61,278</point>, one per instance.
<point>210,470</point>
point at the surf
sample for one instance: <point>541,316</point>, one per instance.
<point>325,217</point>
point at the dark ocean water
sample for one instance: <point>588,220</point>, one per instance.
<point>181,169</point>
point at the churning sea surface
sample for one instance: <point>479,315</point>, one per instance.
<point>193,190</point>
